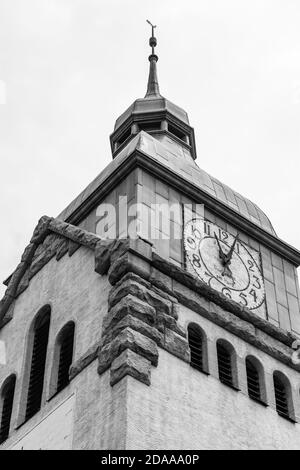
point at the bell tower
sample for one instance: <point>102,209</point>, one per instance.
<point>159,310</point>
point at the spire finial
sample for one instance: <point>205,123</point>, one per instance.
<point>152,40</point>
<point>153,88</point>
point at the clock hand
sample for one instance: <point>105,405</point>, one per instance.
<point>229,254</point>
<point>221,253</point>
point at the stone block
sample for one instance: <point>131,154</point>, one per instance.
<point>127,339</point>
<point>143,293</point>
<point>130,363</point>
<point>176,345</point>
<point>73,247</point>
<point>161,280</point>
<point>135,324</point>
<point>166,321</point>
<point>129,305</point>
<point>84,360</point>
<point>128,262</point>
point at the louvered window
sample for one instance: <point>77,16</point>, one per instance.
<point>281,398</point>
<point>37,370</point>
<point>224,365</point>
<point>66,346</point>
<point>7,406</point>
<point>196,347</point>
<point>253,382</point>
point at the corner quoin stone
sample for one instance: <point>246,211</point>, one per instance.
<point>130,363</point>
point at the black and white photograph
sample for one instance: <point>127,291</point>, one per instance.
<point>150,237</point>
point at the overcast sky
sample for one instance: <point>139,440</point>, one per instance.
<point>71,67</point>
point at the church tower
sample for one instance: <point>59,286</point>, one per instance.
<point>159,310</point>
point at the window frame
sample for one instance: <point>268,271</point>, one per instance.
<point>200,332</point>
<point>53,391</point>
<point>233,363</point>
<point>9,382</point>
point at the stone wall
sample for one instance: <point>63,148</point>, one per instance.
<point>131,308</point>
<point>75,292</point>
<point>281,278</point>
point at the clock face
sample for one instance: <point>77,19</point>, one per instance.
<point>224,263</point>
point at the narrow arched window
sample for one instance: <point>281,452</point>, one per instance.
<point>196,345</point>
<point>38,363</point>
<point>253,380</point>
<point>7,400</point>
<point>226,366</point>
<point>65,346</point>
<point>282,396</point>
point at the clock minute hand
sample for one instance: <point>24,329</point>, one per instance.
<point>221,253</point>
<point>229,254</point>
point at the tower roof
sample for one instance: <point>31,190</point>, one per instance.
<point>153,113</point>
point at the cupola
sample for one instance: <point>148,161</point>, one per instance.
<point>155,115</point>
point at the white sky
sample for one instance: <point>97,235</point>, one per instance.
<point>71,67</point>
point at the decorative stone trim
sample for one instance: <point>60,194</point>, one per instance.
<point>130,363</point>
<point>145,296</point>
<point>38,237</point>
<point>127,339</point>
<point>84,361</point>
<point>183,278</point>
<point>140,317</point>
<point>180,286</point>
<point>51,237</point>
<point>129,305</point>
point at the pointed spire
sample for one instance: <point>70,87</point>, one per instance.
<point>153,87</point>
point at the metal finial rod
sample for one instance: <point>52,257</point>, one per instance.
<point>152,40</point>
<point>152,88</point>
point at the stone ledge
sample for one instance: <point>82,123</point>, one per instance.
<point>176,345</point>
<point>85,360</point>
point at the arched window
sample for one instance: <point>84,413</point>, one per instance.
<point>283,398</point>
<point>7,400</point>
<point>255,380</point>
<point>64,355</point>
<point>226,364</point>
<point>38,362</point>
<point>197,344</point>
